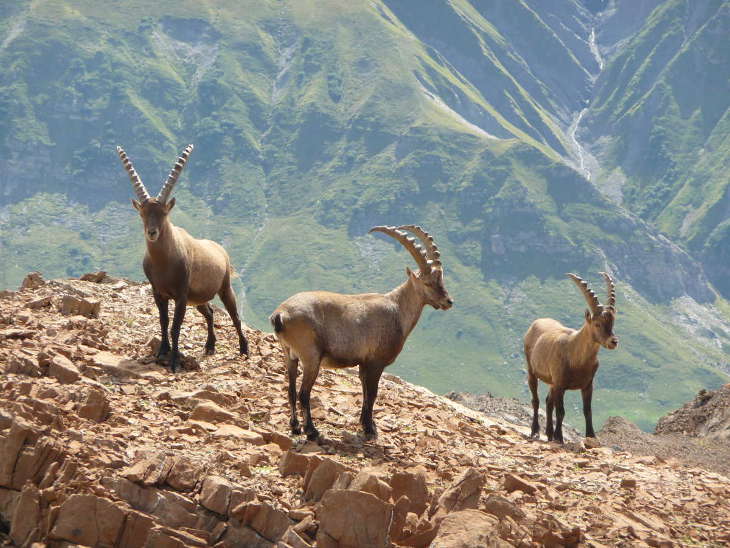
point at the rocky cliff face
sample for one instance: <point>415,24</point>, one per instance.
<point>99,445</point>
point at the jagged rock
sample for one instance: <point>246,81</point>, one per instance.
<point>95,406</point>
<point>293,463</point>
<point>295,540</point>
<point>63,370</point>
<point>502,507</point>
<point>207,411</point>
<point>463,493</point>
<point>322,479</point>
<point>89,520</point>
<point>351,519</point>
<point>37,304</point>
<point>23,365</point>
<point>137,529</point>
<point>96,277</point>
<point>72,305</point>
<point>467,529</point>
<point>33,461</point>
<point>10,449</point>
<point>150,471</point>
<point>183,475</point>
<point>413,485</point>
<point>25,524</point>
<point>513,482</point>
<point>400,514</point>
<point>370,483</point>
<point>215,494</point>
<point>32,280</point>
<point>263,518</point>
<point>233,431</point>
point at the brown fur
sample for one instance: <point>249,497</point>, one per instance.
<point>182,268</point>
<point>322,329</point>
<point>566,359</point>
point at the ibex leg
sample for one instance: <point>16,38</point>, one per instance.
<point>292,372</point>
<point>310,367</point>
<point>163,309</point>
<point>559,413</point>
<point>587,394</point>
<point>370,379</point>
<point>532,382</point>
<point>229,301</point>
<point>549,410</point>
<point>181,305</point>
<point>207,311</point>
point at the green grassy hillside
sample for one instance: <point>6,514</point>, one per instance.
<point>314,121</point>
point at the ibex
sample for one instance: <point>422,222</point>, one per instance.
<point>318,328</point>
<point>567,359</point>
<point>179,267</point>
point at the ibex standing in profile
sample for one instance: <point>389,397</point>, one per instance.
<point>567,359</point>
<point>317,328</point>
<point>179,267</point>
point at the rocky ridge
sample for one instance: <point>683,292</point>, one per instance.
<point>101,446</point>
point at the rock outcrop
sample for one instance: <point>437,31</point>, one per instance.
<point>120,452</point>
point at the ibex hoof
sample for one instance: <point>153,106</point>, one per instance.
<point>243,348</point>
<point>313,435</point>
<point>209,350</point>
<point>535,436</point>
<point>295,429</point>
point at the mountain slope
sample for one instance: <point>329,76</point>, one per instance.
<point>305,139</point>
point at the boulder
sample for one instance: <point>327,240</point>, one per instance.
<point>79,306</point>
<point>413,485</point>
<point>89,520</point>
<point>183,475</point>
<point>63,370</point>
<point>233,431</point>
<point>351,519</point>
<point>513,482</point>
<point>137,529</point>
<point>25,524</point>
<point>263,518</point>
<point>292,462</point>
<point>370,483</point>
<point>322,479</point>
<point>466,529</point>
<point>215,494</point>
<point>501,507</point>
<point>463,493</point>
<point>207,411</point>
<point>33,280</point>
<point>95,406</point>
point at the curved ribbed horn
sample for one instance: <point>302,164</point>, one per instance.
<point>589,295</point>
<point>418,253</point>
<point>164,194</point>
<point>137,183</point>
<point>611,288</point>
<point>432,249</point>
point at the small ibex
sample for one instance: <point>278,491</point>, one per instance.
<point>318,328</point>
<point>179,267</point>
<point>567,359</point>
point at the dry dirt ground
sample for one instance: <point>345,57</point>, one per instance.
<point>101,446</point>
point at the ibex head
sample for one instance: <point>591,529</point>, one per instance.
<point>154,211</point>
<point>600,317</point>
<point>429,280</point>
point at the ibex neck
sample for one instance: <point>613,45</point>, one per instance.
<point>582,346</point>
<point>410,305</point>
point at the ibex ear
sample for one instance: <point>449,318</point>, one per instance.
<point>169,205</point>
<point>588,315</point>
<point>410,273</point>
<point>136,205</point>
